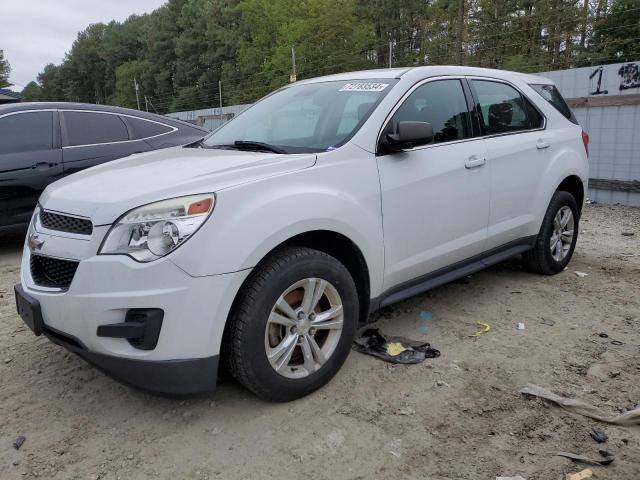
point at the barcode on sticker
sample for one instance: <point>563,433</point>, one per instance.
<point>364,87</point>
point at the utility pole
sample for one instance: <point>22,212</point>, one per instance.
<point>220,94</point>
<point>135,84</point>
<point>294,76</point>
<point>390,53</point>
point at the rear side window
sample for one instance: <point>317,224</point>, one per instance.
<point>442,104</point>
<point>26,132</point>
<point>503,109</point>
<point>86,128</point>
<point>551,94</point>
<point>145,129</point>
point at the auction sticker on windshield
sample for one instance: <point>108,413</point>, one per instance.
<point>364,87</point>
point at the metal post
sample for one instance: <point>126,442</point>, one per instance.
<point>146,103</point>
<point>294,74</point>
<point>220,94</point>
<point>135,84</point>
<point>390,53</point>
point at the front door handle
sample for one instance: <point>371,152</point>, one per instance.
<point>474,161</point>
<point>542,144</point>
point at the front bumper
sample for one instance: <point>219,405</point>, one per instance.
<point>167,377</point>
<point>106,287</point>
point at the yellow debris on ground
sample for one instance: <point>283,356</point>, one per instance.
<point>586,473</point>
<point>395,348</point>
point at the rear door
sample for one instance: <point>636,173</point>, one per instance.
<point>518,150</point>
<point>91,138</point>
<point>435,197</point>
<point>30,159</point>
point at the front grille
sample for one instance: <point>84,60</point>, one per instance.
<point>52,272</point>
<point>65,223</point>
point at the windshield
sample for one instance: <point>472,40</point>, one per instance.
<point>313,117</point>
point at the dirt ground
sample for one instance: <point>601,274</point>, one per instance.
<point>459,416</point>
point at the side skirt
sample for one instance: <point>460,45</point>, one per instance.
<point>453,272</point>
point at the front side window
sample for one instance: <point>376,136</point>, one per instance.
<point>87,128</point>
<point>441,103</point>
<point>503,109</point>
<point>313,117</point>
<point>26,132</point>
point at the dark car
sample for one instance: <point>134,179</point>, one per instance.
<point>42,142</point>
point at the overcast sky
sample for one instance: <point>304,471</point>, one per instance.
<point>36,32</point>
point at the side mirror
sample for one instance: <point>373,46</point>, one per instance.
<point>408,135</point>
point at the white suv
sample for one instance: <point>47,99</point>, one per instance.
<point>265,245</point>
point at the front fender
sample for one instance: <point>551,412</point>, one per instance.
<point>251,219</point>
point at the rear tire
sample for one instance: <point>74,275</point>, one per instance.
<point>292,324</point>
<point>557,238</point>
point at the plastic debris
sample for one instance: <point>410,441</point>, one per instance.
<point>590,461</point>
<point>616,342</point>
<point>581,274</point>
<point>518,477</point>
<point>485,328</point>
<point>628,234</point>
<point>424,317</point>
<point>599,436</point>
<point>583,475</point>
<point>393,349</point>
<point>520,326</point>
<point>17,443</point>
<point>626,419</point>
<point>548,321</point>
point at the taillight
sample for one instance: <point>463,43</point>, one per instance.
<point>585,140</point>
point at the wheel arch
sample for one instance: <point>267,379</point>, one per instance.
<point>575,186</point>
<point>339,246</point>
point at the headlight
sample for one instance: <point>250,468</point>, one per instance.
<point>34,218</point>
<point>152,231</point>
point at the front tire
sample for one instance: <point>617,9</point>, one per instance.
<point>292,324</point>
<point>557,238</point>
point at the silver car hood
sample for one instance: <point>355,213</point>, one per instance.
<point>105,192</point>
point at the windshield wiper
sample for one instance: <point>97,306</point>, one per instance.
<point>250,145</point>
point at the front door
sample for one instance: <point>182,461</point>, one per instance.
<point>435,197</point>
<point>30,159</point>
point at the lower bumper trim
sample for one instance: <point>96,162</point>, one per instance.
<point>165,377</point>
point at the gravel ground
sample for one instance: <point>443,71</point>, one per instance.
<point>459,416</point>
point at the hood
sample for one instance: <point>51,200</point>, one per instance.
<point>107,191</point>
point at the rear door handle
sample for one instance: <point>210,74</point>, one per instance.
<point>474,161</point>
<point>43,165</point>
<point>542,144</point>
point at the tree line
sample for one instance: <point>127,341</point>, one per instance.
<point>181,53</point>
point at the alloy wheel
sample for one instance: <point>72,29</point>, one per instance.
<point>562,234</point>
<point>304,328</point>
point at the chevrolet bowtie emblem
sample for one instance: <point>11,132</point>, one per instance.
<point>34,242</point>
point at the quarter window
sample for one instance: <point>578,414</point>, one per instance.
<point>503,109</point>
<point>85,128</point>
<point>551,94</point>
<point>145,129</point>
<point>442,104</point>
<point>26,132</point>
